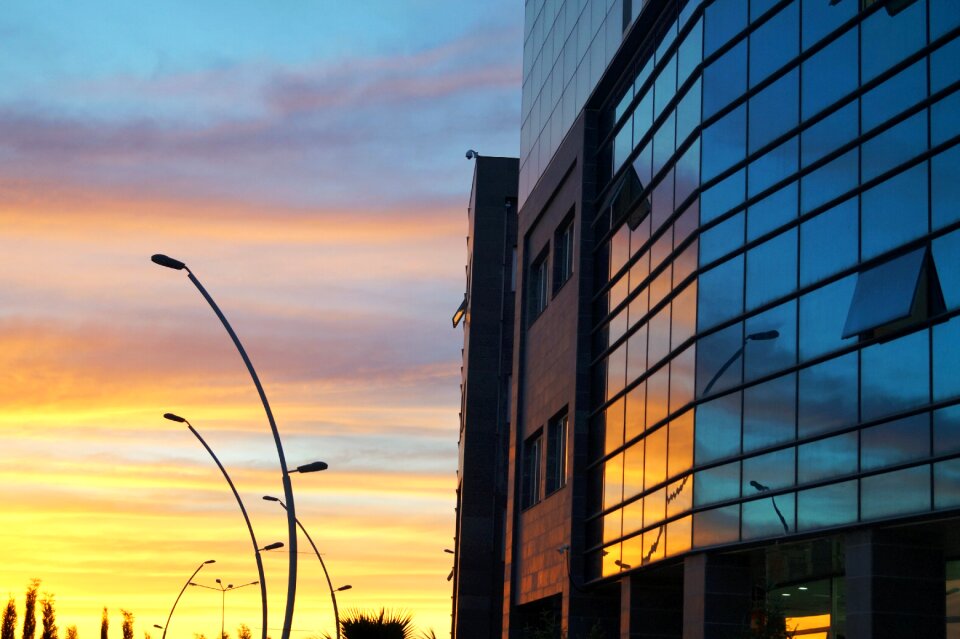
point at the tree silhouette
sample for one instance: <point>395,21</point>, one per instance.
<point>30,609</point>
<point>9,628</point>
<point>71,632</point>
<point>127,626</point>
<point>387,624</point>
<point>104,623</point>
<point>243,632</point>
<point>48,618</point>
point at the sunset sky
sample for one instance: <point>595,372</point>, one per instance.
<point>306,159</point>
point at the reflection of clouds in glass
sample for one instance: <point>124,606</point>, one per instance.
<point>765,356</point>
<point>828,395</point>
<point>717,526</point>
<point>831,505</point>
<point>831,457</point>
<point>717,484</point>
<point>717,432</point>
<point>946,484</point>
<point>900,492</point>
<point>760,518</point>
<point>716,351</point>
<point>769,413</point>
<point>895,442</point>
<point>895,375</point>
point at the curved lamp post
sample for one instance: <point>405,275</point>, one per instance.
<point>333,591</point>
<point>246,518</point>
<point>761,336</point>
<point>223,591</point>
<point>177,265</point>
<point>177,600</point>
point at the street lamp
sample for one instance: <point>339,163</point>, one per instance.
<point>175,601</point>
<point>761,336</point>
<point>760,488</point>
<point>243,510</point>
<point>333,596</point>
<point>171,263</point>
<point>223,595</point>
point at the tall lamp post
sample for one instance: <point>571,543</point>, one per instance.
<point>761,336</point>
<point>177,600</point>
<point>223,596</point>
<point>333,591</point>
<point>177,265</point>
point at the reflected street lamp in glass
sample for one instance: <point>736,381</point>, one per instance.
<point>177,265</point>
<point>761,336</point>
<point>175,601</point>
<point>333,591</point>
<point>760,488</point>
<point>223,590</point>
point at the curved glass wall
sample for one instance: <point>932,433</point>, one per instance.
<point>776,340</point>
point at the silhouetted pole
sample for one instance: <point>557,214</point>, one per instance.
<point>169,262</point>
<point>223,593</point>
<point>333,591</point>
<point>243,510</point>
<point>177,600</point>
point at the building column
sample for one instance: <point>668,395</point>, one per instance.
<point>654,609</point>
<point>716,596</point>
<point>895,586</point>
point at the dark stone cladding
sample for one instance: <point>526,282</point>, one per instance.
<point>487,359</point>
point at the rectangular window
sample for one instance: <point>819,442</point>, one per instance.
<point>563,254</point>
<point>530,484</point>
<point>557,453</point>
<point>537,289</point>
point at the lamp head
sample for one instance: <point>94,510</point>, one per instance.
<point>270,498</point>
<point>174,418</point>
<point>312,467</point>
<point>218,580</point>
<point>169,262</point>
<point>274,545</point>
<point>764,335</point>
<point>210,561</point>
<point>342,588</point>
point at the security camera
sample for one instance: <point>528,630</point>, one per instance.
<point>472,154</point>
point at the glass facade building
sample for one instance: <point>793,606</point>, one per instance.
<point>739,292</point>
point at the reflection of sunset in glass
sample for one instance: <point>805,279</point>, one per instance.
<point>242,140</point>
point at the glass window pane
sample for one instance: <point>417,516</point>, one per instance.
<point>773,167</point>
<point>665,86</point>
<point>723,196</point>
<point>946,360</point>
<point>769,517</point>
<point>831,505</point>
<point>720,363</point>
<point>945,119</point>
<point>681,444</point>
<point>642,121</point>
<point>636,411</point>
<point>724,143</point>
<point>823,313</point>
<point>895,375</point>
<point>829,242</point>
<point>946,430</point>
<point>946,254</point>
<point>680,496</point>
<point>831,73</point>
<point>616,370</point>
<point>946,484</point>
<point>775,43</point>
<point>894,96</point>
<point>654,507</point>
<point>895,442</point>
<point>658,345</point>
<point>772,269</point>
<point>831,457</point>
<point>885,293</point>
<point>829,134</point>
<point>944,70</point>
<point>821,18</point>
<point>771,341</point>
<point>725,80</point>
<point>724,19</point>
<point>717,430</point>
<point>613,481</point>
<point>688,114</point>
<point>829,181</point>
<point>945,178</point>
<point>613,431</point>
<point>722,239</point>
<point>770,413</point>
<point>944,15</point>
<point>658,396</point>
<point>636,353</point>
<point>690,52</point>
<point>679,535</point>
<point>716,484</point>
<point>775,110</point>
<point>772,211</point>
<point>682,378</point>
<point>717,526</point>
<point>663,145</point>
<point>633,471</point>
<point>772,471</point>
<point>828,396</point>
<point>886,39</point>
<point>720,293</point>
<point>895,146</point>
<point>684,315</point>
<point>900,492</point>
<point>656,458</point>
<point>687,173</point>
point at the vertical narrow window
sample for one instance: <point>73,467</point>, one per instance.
<point>557,453</point>
<point>530,484</point>
<point>563,254</point>
<point>537,290</point>
<point>513,270</point>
